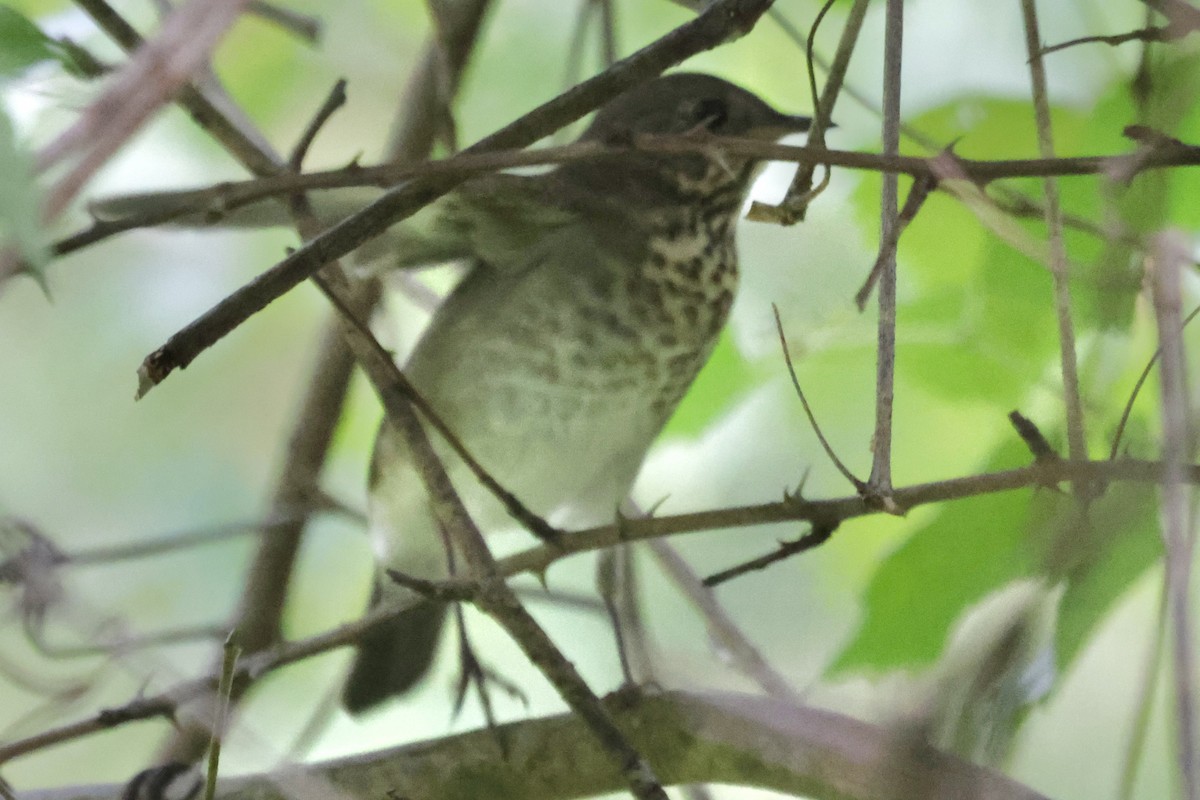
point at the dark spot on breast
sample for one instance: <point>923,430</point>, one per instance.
<point>682,364</point>
<point>673,229</point>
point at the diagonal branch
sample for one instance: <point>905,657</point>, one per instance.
<point>721,22</point>
<point>260,612</point>
<point>492,596</point>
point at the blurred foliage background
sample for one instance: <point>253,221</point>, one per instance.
<point>854,625</point>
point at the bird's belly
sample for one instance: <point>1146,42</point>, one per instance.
<point>565,424</point>
<point>575,442</point>
<point>561,391</point>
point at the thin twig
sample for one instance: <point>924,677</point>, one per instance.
<point>520,512</point>
<point>724,631</point>
<point>885,358</point>
<point>819,534</point>
<point>812,418</point>
<point>494,598</point>
<point>1137,388</point>
<point>184,540</point>
<point>211,203</point>
<point>801,190</point>
<point>1153,33</point>
<point>1059,267</point>
<point>887,249</point>
<point>1171,254</point>
<point>304,26</point>
<point>334,101</point>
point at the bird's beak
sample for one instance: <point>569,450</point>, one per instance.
<point>782,125</point>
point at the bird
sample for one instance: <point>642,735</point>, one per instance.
<point>593,295</point>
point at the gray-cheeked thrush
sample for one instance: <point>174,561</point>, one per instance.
<point>595,293</point>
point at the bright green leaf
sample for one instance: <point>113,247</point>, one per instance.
<point>22,44</point>
<point>971,548</point>
<point>1120,543</point>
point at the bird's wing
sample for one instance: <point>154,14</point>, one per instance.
<point>492,219</point>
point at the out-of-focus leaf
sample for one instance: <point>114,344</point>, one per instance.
<point>22,44</point>
<point>971,547</point>
<point>1100,560</point>
<point>1155,198</point>
<point>977,546</point>
<point>986,338</point>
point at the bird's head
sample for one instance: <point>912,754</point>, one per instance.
<point>682,103</point>
<point>685,102</point>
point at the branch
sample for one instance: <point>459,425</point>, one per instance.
<point>260,611</point>
<point>1171,255</point>
<point>880,482</point>
<point>696,738</point>
<point>801,191</point>
<point>1059,267</point>
<point>149,81</point>
<point>492,595</point>
<point>537,560</point>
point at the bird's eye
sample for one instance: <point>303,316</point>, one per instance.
<point>711,112</point>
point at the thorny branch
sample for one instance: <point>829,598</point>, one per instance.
<point>537,560</point>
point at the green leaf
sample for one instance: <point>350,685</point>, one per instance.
<point>971,548</point>
<point>988,336</point>
<point>1103,560</point>
<point>22,44</point>
<point>1155,199</point>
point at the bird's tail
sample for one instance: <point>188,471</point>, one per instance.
<point>392,658</point>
